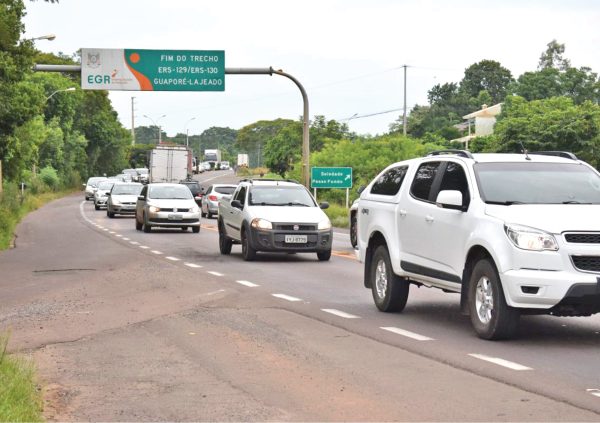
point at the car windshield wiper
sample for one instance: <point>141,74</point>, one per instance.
<point>574,202</point>
<point>264,203</point>
<point>295,203</point>
<point>504,203</point>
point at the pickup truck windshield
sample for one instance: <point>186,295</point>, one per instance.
<point>280,196</point>
<point>537,183</point>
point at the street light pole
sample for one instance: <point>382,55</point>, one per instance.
<point>159,130</point>
<point>187,138</point>
<point>60,91</point>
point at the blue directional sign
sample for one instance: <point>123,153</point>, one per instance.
<point>331,177</point>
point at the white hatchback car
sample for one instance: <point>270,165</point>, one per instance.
<point>168,206</point>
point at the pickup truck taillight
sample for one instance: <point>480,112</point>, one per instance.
<point>212,197</point>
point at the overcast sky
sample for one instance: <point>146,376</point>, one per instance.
<point>348,54</point>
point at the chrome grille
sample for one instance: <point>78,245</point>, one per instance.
<point>583,237</point>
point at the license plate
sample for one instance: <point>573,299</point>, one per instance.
<point>296,239</point>
<point>175,217</point>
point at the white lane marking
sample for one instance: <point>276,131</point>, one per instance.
<point>193,265</point>
<point>134,243</point>
<point>215,273</point>
<point>594,392</point>
<point>104,229</point>
<point>407,333</point>
<point>501,362</point>
<point>156,252</point>
<point>125,239</point>
<point>144,247</point>
<point>286,297</point>
<point>172,258</point>
<point>119,235</point>
<point>248,284</point>
<point>112,232</point>
<point>340,313</point>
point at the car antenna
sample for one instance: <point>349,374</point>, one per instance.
<point>524,151</point>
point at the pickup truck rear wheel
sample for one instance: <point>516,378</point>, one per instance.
<point>224,241</point>
<point>248,253</point>
<point>353,228</point>
<point>491,317</point>
<point>390,292</point>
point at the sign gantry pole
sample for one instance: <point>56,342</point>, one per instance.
<point>236,71</point>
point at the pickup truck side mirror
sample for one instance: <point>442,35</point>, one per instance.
<point>237,204</point>
<point>324,205</point>
<point>450,199</point>
<point>360,189</point>
<point>141,197</point>
<point>108,194</point>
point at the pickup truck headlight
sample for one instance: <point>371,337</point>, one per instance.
<point>324,224</point>
<point>261,224</point>
<point>153,209</point>
<point>531,239</point>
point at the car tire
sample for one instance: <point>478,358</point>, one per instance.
<point>490,316</point>
<point>225,242</point>
<point>196,229</point>
<point>209,215</point>
<point>248,253</point>
<point>390,292</point>
<point>110,214</point>
<point>353,234</point>
<point>324,255</point>
<point>138,225</point>
<point>147,228</point>
<point>96,206</point>
<point>203,214</point>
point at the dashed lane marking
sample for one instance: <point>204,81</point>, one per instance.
<point>172,258</point>
<point>119,235</point>
<point>407,333</point>
<point>156,252</point>
<point>193,265</point>
<point>125,239</point>
<point>340,313</point>
<point>286,297</point>
<point>112,232</point>
<point>248,284</point>
<point>134,243</point>
<point>594,392</point>
<point>215,273</point>
<point>501,362</point>
<point>144,247</point>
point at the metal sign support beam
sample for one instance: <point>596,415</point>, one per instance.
<point>236,71</point>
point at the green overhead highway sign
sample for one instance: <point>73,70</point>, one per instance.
<point>152,70</point>
<point>331,177</point>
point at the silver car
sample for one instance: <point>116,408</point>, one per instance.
<point>166,205</point>
<point>210,200</point>
<point>122,198</point>
<point>100,197</point>
<point>91,185</point>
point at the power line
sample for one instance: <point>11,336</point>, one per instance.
<point>357,116</point>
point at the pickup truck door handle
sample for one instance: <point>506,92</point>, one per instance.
<point>402,213</point>
<point>429,219</point>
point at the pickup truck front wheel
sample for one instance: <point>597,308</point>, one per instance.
<point>390,291</point>
<point>248,253</point>
<point>491,317</point>
<point>224,241</point>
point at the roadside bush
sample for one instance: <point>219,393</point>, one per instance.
<point>338,214</point>
<point>50,177</point>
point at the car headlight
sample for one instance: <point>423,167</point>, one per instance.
<point>532,239</point>
<point>116,202</point>
<point>324,224</point>
<point>261,224</point>
<point>195,209</point>
<point>154,209</point>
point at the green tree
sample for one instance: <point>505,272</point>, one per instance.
<point>551,124</point>
<point>284,149</point>
<point>553,57</point>
<point>251,139</point>
<point>487,75</point>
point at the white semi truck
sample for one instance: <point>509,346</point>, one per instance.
<point>170,164</point>
<point>242,160</point>
<point>213,157</point>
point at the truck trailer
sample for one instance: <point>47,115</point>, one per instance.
<point>170,164</point>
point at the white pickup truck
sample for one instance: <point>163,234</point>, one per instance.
<point>511,233</point>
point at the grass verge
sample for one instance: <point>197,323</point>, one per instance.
<point>12,210</point>
<point>20,399</point>
<point>338,215</point>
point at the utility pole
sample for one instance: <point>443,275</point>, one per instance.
<point>132,120</point>
<point>404,117</point>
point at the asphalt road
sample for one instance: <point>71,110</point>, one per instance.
<point>129,326</point>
